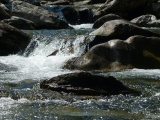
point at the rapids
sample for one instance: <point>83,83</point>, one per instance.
<point>21,98</point>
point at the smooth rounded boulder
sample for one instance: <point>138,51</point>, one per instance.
<point>116,29</point>
<point>12,40</point>
<point>115,55</point>
<point>84,83</point>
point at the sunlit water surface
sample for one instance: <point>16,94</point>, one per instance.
<point>22,99</point>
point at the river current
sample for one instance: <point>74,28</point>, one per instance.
<point>22,99</point>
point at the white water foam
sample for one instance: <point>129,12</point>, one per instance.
<point>82,26</point>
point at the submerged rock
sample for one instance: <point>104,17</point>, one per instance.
<point>116,29</point>
<point>115,55</point>
<point>41,17</point>
<point>84,83</point>
<point>12,40</point>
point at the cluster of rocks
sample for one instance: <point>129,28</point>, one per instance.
<point>118,41</point>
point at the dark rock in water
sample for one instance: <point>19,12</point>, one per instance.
<point>3,13</point>
<point>84,83</point>
<point>20,23</point>
<point>116,29</point>
<point>53,53</point>
<point>41,18</point>
<point>133,8</point>
<point>70,14</point>
<point>80,16</point>
<point>85,16</point>
<point>98,23</point>
<point>114,55</point>
<point>12,40</point>
<point>144,20</point>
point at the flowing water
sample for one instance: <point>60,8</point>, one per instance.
<point>22,99</point>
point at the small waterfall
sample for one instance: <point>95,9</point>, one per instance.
<point>38,60</point>
<point>60,42</point>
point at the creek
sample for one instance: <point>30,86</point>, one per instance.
<point>22,99</point>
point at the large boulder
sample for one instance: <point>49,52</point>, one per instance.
<point>116,29</point>
<point>114,55</point>
<point>121,7</point>
<point>98,23</point>
<point>20,23</point>
<point>12,40</point>
<point>42,18</point>
<point>84,83</point>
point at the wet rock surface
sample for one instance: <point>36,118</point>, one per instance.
<point>84,83</point>
<point>115,55</point>
<point>116,29</point>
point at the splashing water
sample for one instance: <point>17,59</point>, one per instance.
<point>20,75</point>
